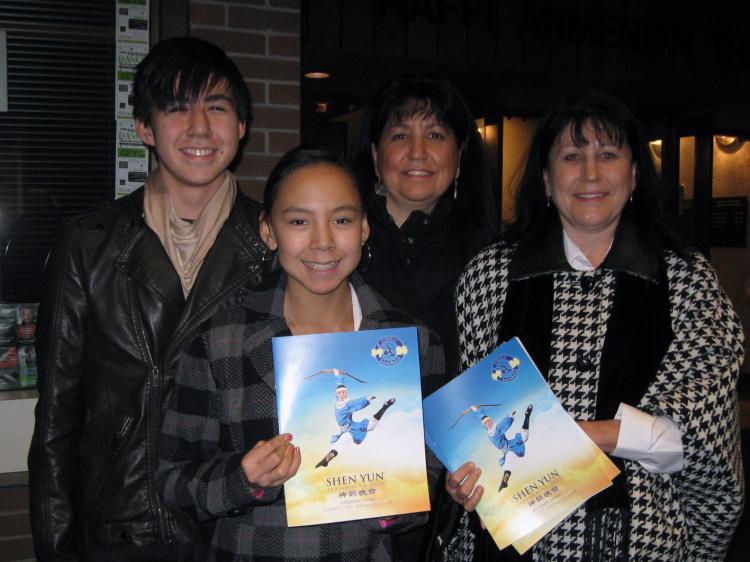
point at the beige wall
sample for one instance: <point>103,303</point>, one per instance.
<point>731,173</point>
<point>687,166</point>
<point>517,134</point>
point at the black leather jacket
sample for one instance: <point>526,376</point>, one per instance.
<point>111,322</point>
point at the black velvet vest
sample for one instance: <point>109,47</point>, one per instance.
<point>638,330</point>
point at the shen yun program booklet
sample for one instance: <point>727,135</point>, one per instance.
<point>538,465</point>
<point>353,402</point>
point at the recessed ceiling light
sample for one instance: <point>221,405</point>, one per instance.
<point>725,140</point>
<point>317,75</point>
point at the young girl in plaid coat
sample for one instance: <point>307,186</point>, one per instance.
<point>221,458</point>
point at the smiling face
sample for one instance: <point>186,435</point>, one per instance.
<point>417,160</point>
<point>194,141</point>
<point>589,184</point>
<point>318,226</point>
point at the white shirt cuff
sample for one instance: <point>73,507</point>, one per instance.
<point>655,442</point>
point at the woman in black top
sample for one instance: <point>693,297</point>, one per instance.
<point>432,206</point>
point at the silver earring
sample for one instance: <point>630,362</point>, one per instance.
<point>631,196</point>
<point>269,260</point>
<point>455,187</point>
<point>548,201</point>
<point>379,187</point>
<point>366,259</point>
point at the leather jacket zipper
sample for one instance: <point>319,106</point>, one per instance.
<point>152,411</point>
<point>155,386</point>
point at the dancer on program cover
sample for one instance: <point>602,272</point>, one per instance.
<point>344,411</point>
<point>496,434</point>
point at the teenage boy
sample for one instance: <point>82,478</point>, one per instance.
<point>125,285</point>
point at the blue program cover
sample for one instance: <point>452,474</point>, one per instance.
<point>537,465</point>
<point>353,403</point>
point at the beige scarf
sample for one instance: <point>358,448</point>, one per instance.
<point>187,242</point>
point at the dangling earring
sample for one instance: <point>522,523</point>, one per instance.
<point>631,196</point>
<point>548,201</point>
<point>379,187</point>
<point>366,260</point>
<point>455,183</point>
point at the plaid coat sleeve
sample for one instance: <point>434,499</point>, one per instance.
<point>199,469</point>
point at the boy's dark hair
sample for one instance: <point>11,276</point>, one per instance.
<point>182,69</point>
<point>298,158</point>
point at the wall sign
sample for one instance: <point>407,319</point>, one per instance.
<point>131,46</point>
<point>728,227</point>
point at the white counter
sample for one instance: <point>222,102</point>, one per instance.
<point>16,428</point>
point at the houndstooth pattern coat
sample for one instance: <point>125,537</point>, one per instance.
<point>223,402</point>
<point>687,516</point>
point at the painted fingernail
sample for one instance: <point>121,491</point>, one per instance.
<point>287,436</point>
<point>386,522</point>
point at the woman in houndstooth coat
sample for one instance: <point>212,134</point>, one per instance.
<point>633,334</point>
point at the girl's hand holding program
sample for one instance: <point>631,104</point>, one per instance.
<point>271,463</point>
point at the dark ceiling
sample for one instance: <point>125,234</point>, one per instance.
<point>668,62</point>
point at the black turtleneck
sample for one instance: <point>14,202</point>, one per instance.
<point>416,268</point>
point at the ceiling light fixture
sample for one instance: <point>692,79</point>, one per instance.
<point>728,141</point>
<point>317,75</point>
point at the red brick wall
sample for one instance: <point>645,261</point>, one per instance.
<point>263,39</point>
